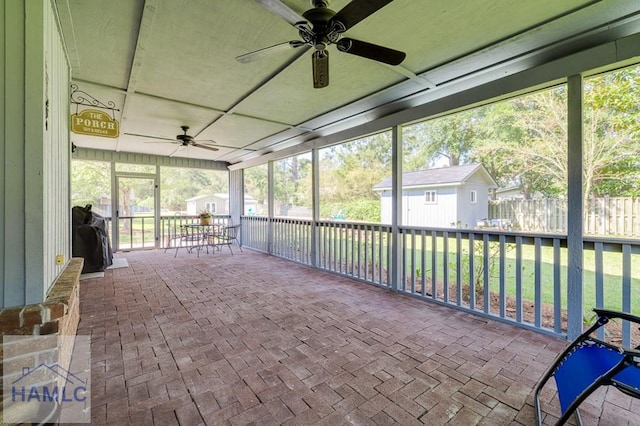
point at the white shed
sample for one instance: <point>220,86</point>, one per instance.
<point>456,196</point>
<point>217,203</point>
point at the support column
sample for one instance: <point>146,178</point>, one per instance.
<point>396,206</point>
<point>236,196</point>
<point>270,209</point>
<point>114,208</point>
<point>158,209</point>
<point>315,206</point>
<point>574,208</point>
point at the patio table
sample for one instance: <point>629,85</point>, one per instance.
<point>203,236</point>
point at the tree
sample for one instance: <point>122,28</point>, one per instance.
<point>348,174</point>
<point>256,183</point>
<point>180,184</point>
<point>289,174</point>
<point>90,181</point>
<point>451,137</point>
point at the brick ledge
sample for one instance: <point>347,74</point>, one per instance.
<point>43,318</point>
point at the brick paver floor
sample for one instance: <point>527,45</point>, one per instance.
<point>253,339</point>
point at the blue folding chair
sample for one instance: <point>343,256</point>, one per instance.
<point>589,363</point>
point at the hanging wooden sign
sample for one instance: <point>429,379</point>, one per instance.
<point>95,123</point>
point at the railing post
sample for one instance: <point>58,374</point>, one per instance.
<point>396,206</point>
<point>574,208</point>
<point>315,206</point>
<point>158,211</point>
<point>270,209</point>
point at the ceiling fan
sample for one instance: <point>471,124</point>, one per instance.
<point>319,27</point>
<point>187,140</point>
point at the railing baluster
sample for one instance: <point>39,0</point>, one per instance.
<point>557,293</point>
<point>458,268</point>
<point>434,265</point>
<point>366,252</point>
<point>403,260</point>
<point>486,284</point>
<point>445,265</point>
<point>626,293</point>
<point>388,239</point>
<point>518,278</point>
<point>359,250</point>
<point>501,277</point>
<point>537,299</point>
<point>423,267</point>
<point>413,261</point>
<point>472,272</point>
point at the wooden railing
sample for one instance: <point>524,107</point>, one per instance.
<point>514,277</point>
<point>138,232</point>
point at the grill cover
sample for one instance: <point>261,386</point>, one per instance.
<point>90,239</point>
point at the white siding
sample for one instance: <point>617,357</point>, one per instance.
<point>469,214</point>
<point>200,204</point>
<point>158,160</point>
<point>418,213</point>
<point>385,205</point>
<point>56,152</point>
<point>439,214</point>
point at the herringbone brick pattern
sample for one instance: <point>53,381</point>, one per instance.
<point>252,339</point>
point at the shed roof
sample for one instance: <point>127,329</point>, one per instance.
<point>219,195</point>
<point>443,176</point>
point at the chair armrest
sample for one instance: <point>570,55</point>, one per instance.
<point>614,314</point>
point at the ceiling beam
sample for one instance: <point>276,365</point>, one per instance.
<point>70,45</point>
<point>144,32</point>
<point>422,81</point>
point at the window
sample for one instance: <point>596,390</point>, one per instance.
<point>211,206</point>
<point>430,197</point>
<point>474,197</point>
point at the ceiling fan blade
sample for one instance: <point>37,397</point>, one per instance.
<point>320,63</point>
<point>150,137</point>
<point>278,8</point>
<point>175,151</point>
<point>358,10</point>
<point>210,148</point>
<point>259,54</point>
<point>371,51</point>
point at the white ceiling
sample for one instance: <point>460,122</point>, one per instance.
<point>167,63</point>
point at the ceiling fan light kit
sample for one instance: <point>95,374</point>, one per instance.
<point>319,27</point>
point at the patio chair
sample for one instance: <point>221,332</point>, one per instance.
<point>589,363</point>
<point>173,235</point>
<point>189,238</point>
<point>228,236</point>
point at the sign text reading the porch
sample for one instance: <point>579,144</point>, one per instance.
<point>94,123</point>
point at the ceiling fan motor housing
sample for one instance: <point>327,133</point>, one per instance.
<point>323,30</point>
<point>320,26</point>
<point>184,138</point>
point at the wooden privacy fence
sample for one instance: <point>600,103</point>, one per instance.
<point>612,216</point>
